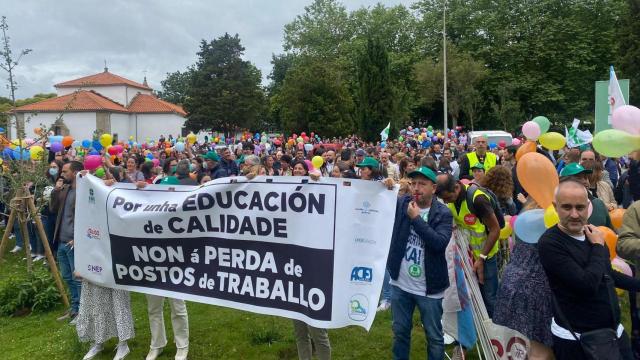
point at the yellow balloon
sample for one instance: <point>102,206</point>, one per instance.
<point>317,161</point>
<point>106,140</point>
<point>191,138</point>
<point>550,217</point>
<point>37,152</point>
<point>506,231</point>
<point>552,140</point>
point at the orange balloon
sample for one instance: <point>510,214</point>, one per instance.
<point>67,141</point>
<point>538,177</point>
<point>611,239</point>
<point>527,147</point>
<point>616,217</point>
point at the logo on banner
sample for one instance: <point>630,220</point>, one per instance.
<point>364,241</point>
<point>366,208</point>
<point>92,198</point>
<point>469,219</point>
<point>361,274</point>
<point>93,233</point>
<point>94,268</point>
<point>358,307</point>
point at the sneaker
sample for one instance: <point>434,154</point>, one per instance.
<point>384,305</point>
<point>458,353</point>
<point>15,249</point>
<point>65,316</point>
<point>12,236</point>
<point>95,350</point>
<point>38,258</point>
<point>153,354</point>
<point>122,350</point>
<point>182,353</point>
<point>74,319</point>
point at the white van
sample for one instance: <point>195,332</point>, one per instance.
<point>492,136</point>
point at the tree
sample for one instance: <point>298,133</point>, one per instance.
<point>506,107</point>
<point>315,97</point>
<point>7,63</point>
<point>224,92</point>
<point>376,98</point>
<point>176,86</point>
<point>629,48</point>
<point>281,65</point>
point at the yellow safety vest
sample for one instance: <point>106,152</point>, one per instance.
<point>469,221</point>
<point>490,160</point>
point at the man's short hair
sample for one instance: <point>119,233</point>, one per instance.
<point>345,155</point>
<point>182,168</point>
<point>251,160</point>
<point>286,158</point>
<point>565,180</point>
<point>75,166</point>
<point>446,183</point>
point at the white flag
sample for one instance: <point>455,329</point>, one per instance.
<point>384,134</point>
<point>576,137</point>
<point>615,93</point>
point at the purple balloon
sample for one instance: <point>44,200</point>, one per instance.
<point>56,147</point>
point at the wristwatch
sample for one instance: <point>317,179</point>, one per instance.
<point>483,256</point>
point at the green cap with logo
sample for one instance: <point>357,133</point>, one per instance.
<point>368,161</point>
<point>211,155</point>
<point>477,166</point>
<point>424,171</point>
<point>574,169</point>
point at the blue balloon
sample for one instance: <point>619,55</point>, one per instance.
<point>529,226</point>
<point>18,154</point>
<point>7,152</point>
<point>492,145</point>
<point>55,138</point>
<point>179,146</point>
<point>96,145</point>
<point>94,152</point>
<point>429,133</point>
<point>1,129</point>
<point>86,144</point>
<point>426,144</point>
<point>383,144</point>
<point>150,156</point>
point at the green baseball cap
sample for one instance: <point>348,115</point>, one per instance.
<point>368,161</point>
<point>211,155</point>
<point>478,166</point>
<point>574,169</point>
<point>424,171</point>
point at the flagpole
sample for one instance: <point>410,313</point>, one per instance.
<point>444,53</point>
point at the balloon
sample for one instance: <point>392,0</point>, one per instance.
<point>515,142</point>
<point>551,217</point>
<point>37,131</point>
<point>543,123</point>
<point>308,147</point>
<point>620,265</point>
<point>179,147</point>
<point>92,162</point>
<point>37,152</point>
<point>112,150</point>
<point>96,145</point>
<point>383,144</point>
<point>317,161</point>
<point>538,177</point>
<point>512,221</point>
<point>99,173</point>
<point>300,139</point>
<point>150,156</point>
<point>506,231</point>
<point>86,144</point>
<point>502,144</point>
<point>191,138</point>
<point>492,146</point>
<point>552,140</point>
<point>309,164</point>
<point>56,147</point>
<point>76,144</point>
<point>611,239</point>
<point>401,139</point>
<point>529,226</point>
<point>55,138</point>
<point>155,162</point>
<point>626,118</point>
<point>29,141</point>
<point>106,140</point>
<point>18,153</point>
<point>615,143</point>
<point>119,149</point>
<point>94,152</point>
<point>527,147</point>
<point>531,130</point>
<point>616,217</point>
<point>67,141</point>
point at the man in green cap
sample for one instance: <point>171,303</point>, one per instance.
<point>417,264</point>
<point>213,167</point>
<point>600,214</point>
<point>478,173</point>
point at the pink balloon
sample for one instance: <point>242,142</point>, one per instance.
<point>92,162</point>
<point>155,162</point>
<point>512,221</point>
<point>119,149</point>
<point>309,165</point>
<point>626,118</point>
<point>515,142</point>
<point>622,266</point>
<point>531,130</point>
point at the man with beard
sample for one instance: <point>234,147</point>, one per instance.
<point>63,202</point>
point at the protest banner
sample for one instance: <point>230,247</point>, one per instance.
<point>309,250</point>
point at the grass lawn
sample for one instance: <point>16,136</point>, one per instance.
<point>215,333</point>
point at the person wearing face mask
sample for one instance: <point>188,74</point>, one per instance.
<point>182,173</point>
<point>49,217</point>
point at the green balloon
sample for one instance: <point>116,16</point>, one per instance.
<point>543,122</point>
<point>99,173</point>
<point>401,139</point>
<point>615,143</point>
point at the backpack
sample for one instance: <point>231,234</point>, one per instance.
<point>495,204</point>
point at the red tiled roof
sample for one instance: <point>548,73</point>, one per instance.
<point>104,78</point>
<point>143,103</point>
<point>78,101</point>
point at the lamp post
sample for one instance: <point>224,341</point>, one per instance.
<point>444,67</point>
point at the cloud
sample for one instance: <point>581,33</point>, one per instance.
<point>73,38</point>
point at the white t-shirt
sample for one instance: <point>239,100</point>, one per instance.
<point>411,277</point>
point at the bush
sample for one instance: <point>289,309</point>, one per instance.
<point>35,293</point>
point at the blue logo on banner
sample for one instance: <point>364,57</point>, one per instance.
<point>362,274</point>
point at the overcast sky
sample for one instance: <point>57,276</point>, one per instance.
<point>72,38</point>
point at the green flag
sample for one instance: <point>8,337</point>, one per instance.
<point>384,134</point>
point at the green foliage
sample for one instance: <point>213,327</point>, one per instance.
<point>224,92</point>
<point>175,87</point>
<point>34,293</point>
<point>376,100</point>
<point>629,48</point>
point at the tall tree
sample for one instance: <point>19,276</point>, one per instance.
<point>224,92</point>
<point>8,62</point>
<point>176,86</point>
<point>376,98</point>
<point>629,49</point>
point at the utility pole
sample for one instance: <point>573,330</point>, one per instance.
<point>444,63</point>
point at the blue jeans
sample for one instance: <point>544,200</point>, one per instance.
<point>65,261</point>
<point>402,306</point>
<point>489,289</point>
<point>386,287</point>
<point>36,247</point>
<point>49,224</point>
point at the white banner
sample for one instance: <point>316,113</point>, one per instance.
<point>314,251</point>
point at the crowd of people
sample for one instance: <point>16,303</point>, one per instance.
<point>551,292</point>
